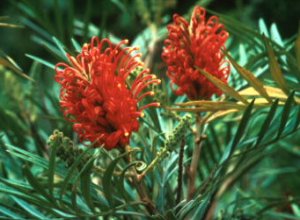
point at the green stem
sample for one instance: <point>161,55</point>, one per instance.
<point>160,155</point>
<point>140,187</point>
<point>180,171</point>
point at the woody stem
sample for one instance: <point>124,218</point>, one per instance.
<point>195,159</point>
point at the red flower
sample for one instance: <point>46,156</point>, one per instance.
<point>96,94</point>
<point>197,43</point>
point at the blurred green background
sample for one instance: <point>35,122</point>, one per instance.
<point>123,20</point>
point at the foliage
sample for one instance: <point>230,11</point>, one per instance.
<point>247,139</point>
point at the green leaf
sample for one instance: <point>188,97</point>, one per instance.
<point>34,182</point>
<point>107,179</point>
<point>296,209</point>
<point>188,207</point>
<point>201,209</point>
<point>76,45</point>
<point>60,46</point>
<point>27,156</point>
<point>267,122</point>
<point>297,121</point>
<point>30,209</point>
<point>121,182</point>
<point>71,172</point>
<point>285,113</point>
<point>239,133</point>
<point>18,185</point>
<point>48,46</point>
<point>42,61</point>
<point>17,193</point>
<point>52,164</point>
<point>131,214</point>
<point>275,35</point>
<point>74,200</point>
<point>9,213</point>
<point>263,27</point>
<point>85,177</point>
<point>275,67</point>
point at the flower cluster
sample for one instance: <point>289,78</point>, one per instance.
<point>197,43</point>
<point>96,95</point>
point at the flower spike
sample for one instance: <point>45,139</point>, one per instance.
<point>198,43</point>
<point>96,97</point>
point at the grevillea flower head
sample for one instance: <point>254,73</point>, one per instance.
<point>96,95</point>
<point>197,43</point>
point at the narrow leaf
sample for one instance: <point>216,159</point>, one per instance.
<point>285,113</point>
<point>27,156</point>
<point>107,180</point>
<point>37,186</point>
<point>275,67</point>
<point>30,209</point>
<point>121,182</point>
<point>42,61</point>
<point>86,184</point>
<point>247,75</point>
<point>14,68</point>
<point>9,213</point>
<point>60,46</point>
<point>71,172</point>
<point>223,86</point>
<point>267,122</point>
<point>51,171</point>
<point>76,45</point>
<point>272,92</point>
<point>239,133</point>
<point>297,122</point>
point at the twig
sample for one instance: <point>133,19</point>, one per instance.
<point>180,171</point>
